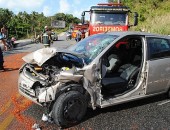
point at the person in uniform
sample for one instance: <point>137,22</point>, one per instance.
<point>46,38</point>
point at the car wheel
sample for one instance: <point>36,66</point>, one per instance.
<point>69,108</point>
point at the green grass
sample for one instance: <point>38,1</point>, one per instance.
<point>153,19</point>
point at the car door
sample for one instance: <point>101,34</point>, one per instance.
<point>158,65</point>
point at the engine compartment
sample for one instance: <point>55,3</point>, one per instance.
<point>44,80</point>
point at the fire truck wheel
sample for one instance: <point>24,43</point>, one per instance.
<point>69,108</point>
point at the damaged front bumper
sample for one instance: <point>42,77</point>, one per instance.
<point>31,85</point>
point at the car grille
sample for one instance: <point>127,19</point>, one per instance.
<point>28,92</point>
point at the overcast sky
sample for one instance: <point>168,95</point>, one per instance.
<point>49,7</point>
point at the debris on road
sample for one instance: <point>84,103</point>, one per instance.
<point>36,126</point>
<point>45,117</point>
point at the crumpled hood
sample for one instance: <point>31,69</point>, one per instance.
<point>40,56</point>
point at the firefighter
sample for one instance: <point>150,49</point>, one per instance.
<point>46,38</point>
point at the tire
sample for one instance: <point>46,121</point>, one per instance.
<point>69,109</point>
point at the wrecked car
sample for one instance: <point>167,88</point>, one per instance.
<point>100,71</point>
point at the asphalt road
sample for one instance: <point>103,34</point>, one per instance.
<point>61,43</point>
<point>146,114</point>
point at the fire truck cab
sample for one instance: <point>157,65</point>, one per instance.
<point>109,17</point>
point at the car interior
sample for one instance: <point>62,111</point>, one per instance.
<point>120,66</point>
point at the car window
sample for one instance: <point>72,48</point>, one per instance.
<point>158,48</point>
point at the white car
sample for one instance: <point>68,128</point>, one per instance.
<point>99,71</point>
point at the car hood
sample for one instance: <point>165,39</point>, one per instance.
<point>40,56</point>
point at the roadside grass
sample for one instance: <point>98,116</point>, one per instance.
<point>158,24</point>
<point>153,19</point>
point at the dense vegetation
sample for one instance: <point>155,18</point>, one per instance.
<point>25,25</point>
<point>154,15</point>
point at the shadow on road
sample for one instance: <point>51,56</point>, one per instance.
<point>19,48</point>
<point>37,111</point>
<point>92,113</point>
<point>60,40</point>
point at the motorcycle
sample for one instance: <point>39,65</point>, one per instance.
<point>10,44</point>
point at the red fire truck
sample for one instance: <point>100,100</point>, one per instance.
<point>109,17</point>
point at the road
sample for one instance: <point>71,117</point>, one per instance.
<point>18,113</point>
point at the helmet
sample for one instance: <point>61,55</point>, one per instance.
<point>46,27</point>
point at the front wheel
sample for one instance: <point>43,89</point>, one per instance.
<point>69,108</point>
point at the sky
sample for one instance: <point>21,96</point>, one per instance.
<point>50,7</point>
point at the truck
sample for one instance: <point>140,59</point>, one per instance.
<point>106,17</point>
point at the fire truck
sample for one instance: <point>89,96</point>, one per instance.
<point>109,17</point>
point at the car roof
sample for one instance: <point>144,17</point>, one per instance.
<point>125,33</point>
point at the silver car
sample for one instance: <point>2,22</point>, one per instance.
<point>54,36</point>
<point>99,71</point>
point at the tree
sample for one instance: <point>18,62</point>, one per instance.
<point>5,16</point>
<point>60,16</point>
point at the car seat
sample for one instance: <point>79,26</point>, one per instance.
<point>114,63</point>
<point>119,84</point>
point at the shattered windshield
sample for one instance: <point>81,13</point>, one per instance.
<point>92,46</point>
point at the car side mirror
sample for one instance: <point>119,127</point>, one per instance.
<point>82,19</point>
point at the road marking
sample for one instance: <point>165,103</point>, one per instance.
<point>165,102</point>
<point>7,105</point>
<point>6,122</point>
<point>10,117</point>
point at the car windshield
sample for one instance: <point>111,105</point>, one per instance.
<point>109,18</point>
<point>92,46</point>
